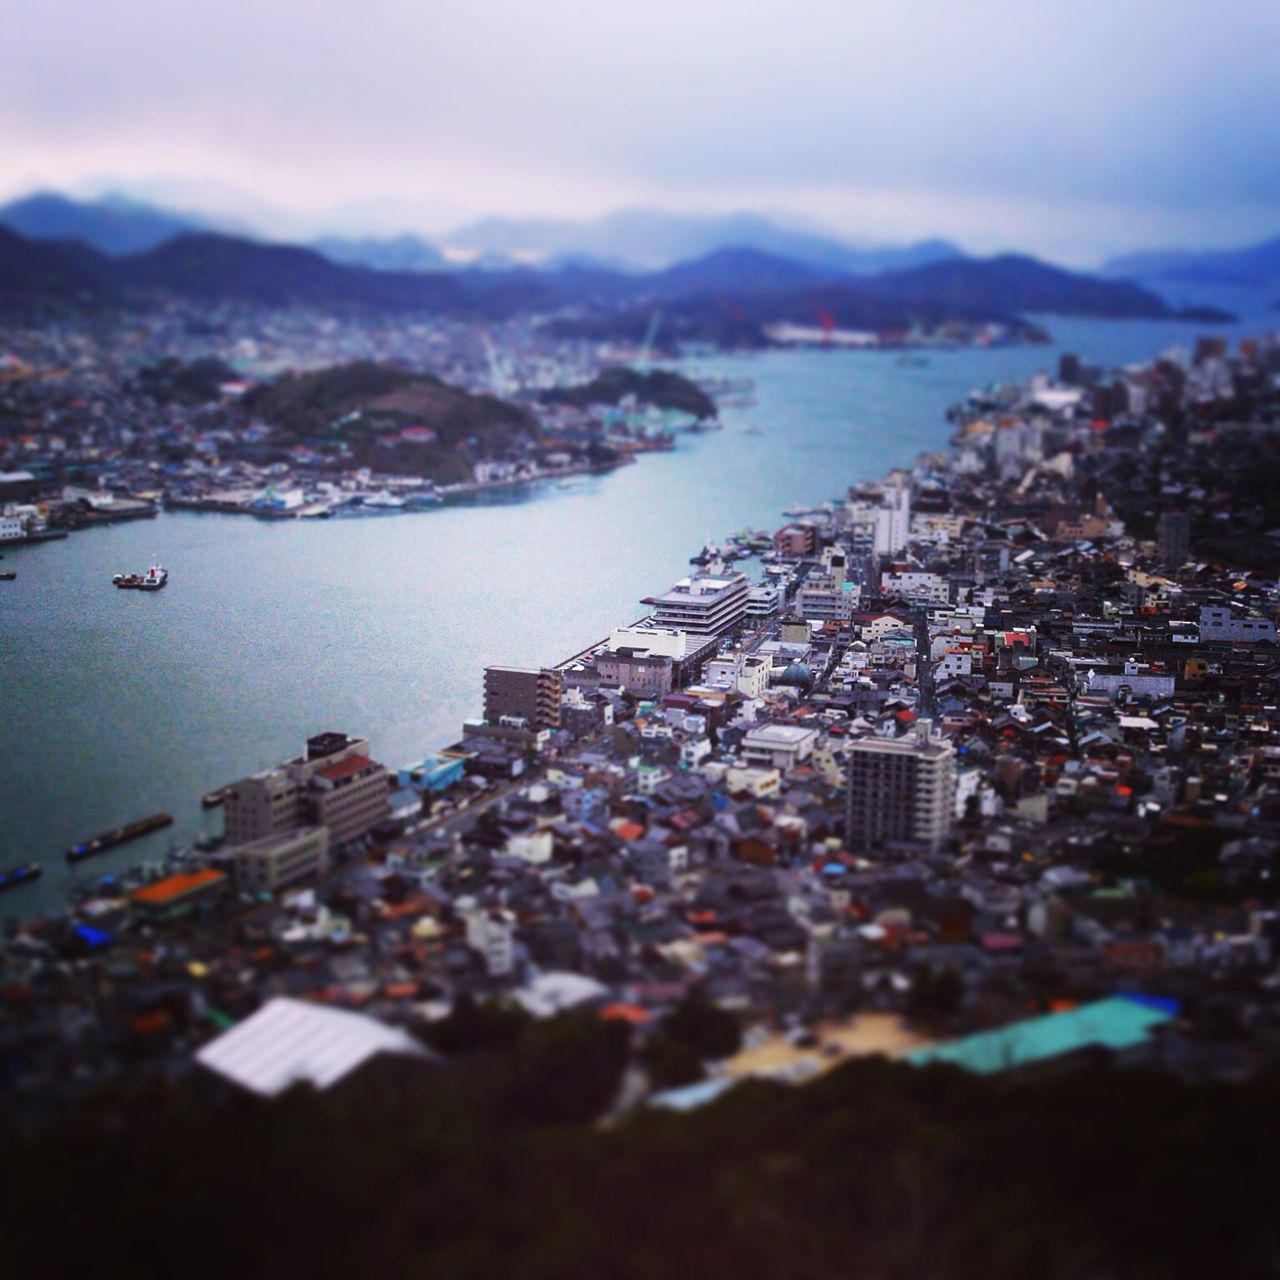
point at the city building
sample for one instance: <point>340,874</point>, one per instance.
<point>263,866</point>
<point>531,694</point>
<point>1220,623</point>
<point>779,746</point>
<point>350,797</point>
<point>333,784</point>
<point>893,521</point>
<point>703,604</point>
<point>899,789</point>
<point>1173,539</point>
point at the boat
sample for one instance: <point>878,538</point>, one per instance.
<point>154,578</point>
<point>23,873</point>
<point>384,498</point>
<point>708,553</point>
<point>753,430</point>
<point>109,839</point>
<point>212,799</point>
<point>8,575</point>
<point>127,581</point>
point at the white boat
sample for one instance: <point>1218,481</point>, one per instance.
<point>384,498</point>
<point>154,578</point>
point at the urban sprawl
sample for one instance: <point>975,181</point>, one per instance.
<point>984,768</point>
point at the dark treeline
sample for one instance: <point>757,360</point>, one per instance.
<point>490,1166</point>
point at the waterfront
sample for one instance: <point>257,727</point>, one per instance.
<point>120,704</point>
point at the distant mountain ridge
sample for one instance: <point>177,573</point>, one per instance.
<point>654,239</point>
<point>1253,265</point>
<point>726,296</point>
<point>113,224</point>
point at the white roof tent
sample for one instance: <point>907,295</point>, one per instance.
<point>289,1041</point>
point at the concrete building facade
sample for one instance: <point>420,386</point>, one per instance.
<point>531,693</point>
<point>899,789</point>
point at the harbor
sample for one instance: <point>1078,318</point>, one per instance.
<point>230,670</point>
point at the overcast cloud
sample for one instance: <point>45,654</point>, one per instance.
<point>1071,129</point>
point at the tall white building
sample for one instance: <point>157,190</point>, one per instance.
<point>893,521</point>
<point>899,789</point>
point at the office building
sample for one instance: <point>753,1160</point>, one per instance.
<point>899,790</point>
<point>704,604</point>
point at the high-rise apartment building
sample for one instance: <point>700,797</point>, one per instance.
<point>1173,539</point>
<point>893,520</point>
<point>899,789</point>
<point>530,693</point>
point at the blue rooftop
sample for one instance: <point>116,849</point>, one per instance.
<point>1117,1023</point>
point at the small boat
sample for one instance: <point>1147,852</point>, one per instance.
<point>383,499</point>
<point>23,873</point>
<point>127,581</point>
<point>708,553</point>
<point>154,578</point>
<point>8,575</point>
<point>212,799</point>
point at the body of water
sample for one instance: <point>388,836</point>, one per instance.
<point>119,703</point>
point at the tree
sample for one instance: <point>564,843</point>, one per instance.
<point>704,1027</point>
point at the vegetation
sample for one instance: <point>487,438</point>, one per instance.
<point>658,387</point>
<point>488,1167</point>
<point>361,409</point>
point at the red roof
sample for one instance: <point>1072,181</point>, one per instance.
<point>344,768</point>
<point>172,887</point>
<point>631,1013</point>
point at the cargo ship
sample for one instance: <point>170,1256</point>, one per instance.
<point>109,839</point>
<point>23,873</point>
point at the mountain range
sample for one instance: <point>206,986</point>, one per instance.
<point>631,240</point>
<point>727,296</point>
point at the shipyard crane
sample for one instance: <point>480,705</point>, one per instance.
<point>498,378</point>
<point>642,364</point>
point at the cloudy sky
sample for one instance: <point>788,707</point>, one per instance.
<point>1072,129</point>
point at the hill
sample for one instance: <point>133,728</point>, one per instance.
<point>217,267</point>
<point>658,387</point>
<point>654,239</point>
<point>353,410</point>
<point>1014,284</point>
<point>1254,265</point>
<point>490,1166</point>
<point>113,225</point>
<point>40,276</point>
<point>739,271</point>
<point>393,253</point>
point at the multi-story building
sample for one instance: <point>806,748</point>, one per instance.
<point>333,784</point>
<point>704,604</point>
<point>893,521</point>
<point>795,541</point>
<point>530,693</point>
<point>350,797</point>
<point>278,861</point>
<point>1220,623</point>
<point>827,595</point>
<point>899,789</point>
